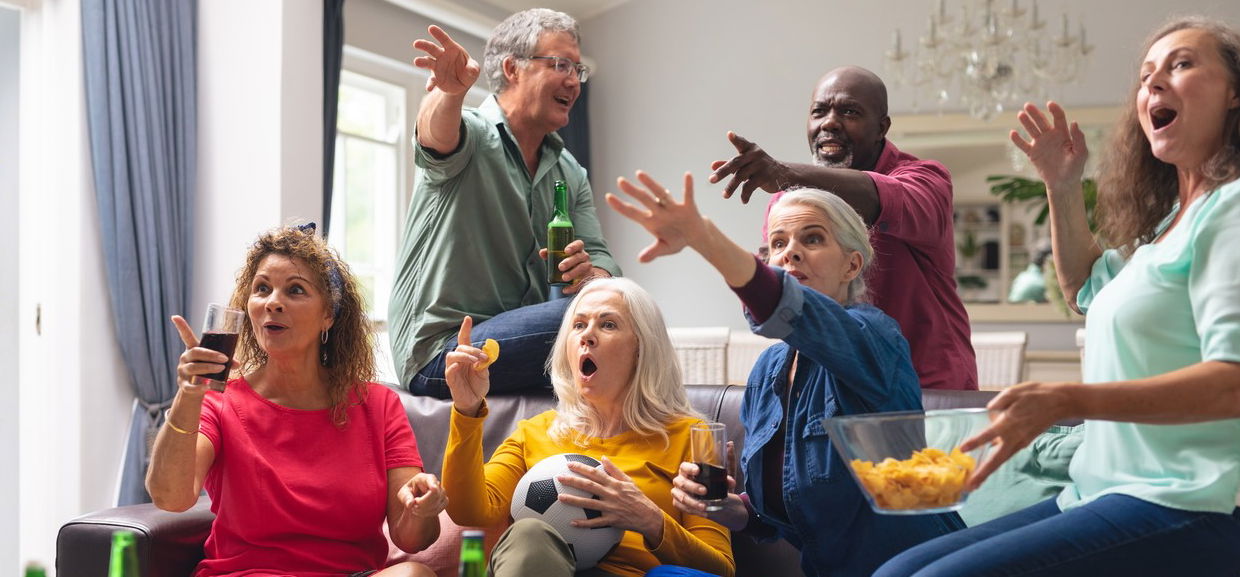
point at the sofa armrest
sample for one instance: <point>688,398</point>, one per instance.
<point>168,544</point>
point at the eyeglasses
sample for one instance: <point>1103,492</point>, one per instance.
<point>565,66</point>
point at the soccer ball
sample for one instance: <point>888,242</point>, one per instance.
<point>536,496</point>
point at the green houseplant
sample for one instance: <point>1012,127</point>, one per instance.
<point>1018,190</point>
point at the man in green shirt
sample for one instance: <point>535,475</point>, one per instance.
<point>474,238</point>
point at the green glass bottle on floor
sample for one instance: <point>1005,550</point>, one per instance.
<point>124,562</point>
<point>473,558</point>
<point>559,234</point>
<point>35,570</point>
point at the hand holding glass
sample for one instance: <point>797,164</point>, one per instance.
<point>220,332</point>
<point>709,444</point>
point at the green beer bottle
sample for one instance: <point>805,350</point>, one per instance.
<point>124,562</point>
<point>35,570</point>
<point>559,234</point>
<point>473,559</point>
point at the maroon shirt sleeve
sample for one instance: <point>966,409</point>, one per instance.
<point>761,294</point>
<point>916,202</point>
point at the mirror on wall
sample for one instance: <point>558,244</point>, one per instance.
<point>999,245</point>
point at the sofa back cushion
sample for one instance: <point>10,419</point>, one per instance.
<point>429,417</point>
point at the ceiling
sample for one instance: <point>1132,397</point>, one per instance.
<point>579,9</point>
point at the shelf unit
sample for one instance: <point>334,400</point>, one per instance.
<point>973,150</point>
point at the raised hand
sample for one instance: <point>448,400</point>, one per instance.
<point>422,496</point>
<point>468,380</point>
<point>673,224</point>
<point>451,68</point>
<point>751,167</point>
<point>195,361</point>
<point>1055,148</point>
<point>620,501</point>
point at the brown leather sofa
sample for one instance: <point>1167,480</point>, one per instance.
<point>170,544</point>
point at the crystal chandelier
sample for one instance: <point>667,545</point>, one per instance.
<point>987,58</point>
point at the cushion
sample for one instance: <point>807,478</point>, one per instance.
<point>1034,474</point>
<point>444,555</point>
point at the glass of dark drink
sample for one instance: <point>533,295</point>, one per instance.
<point>220,332</point>
<point>709,444</point>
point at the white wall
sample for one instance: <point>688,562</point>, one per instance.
<point>10,35</point>
<point>674,77</point>
<point>260,102</point>
<point>74,396</point>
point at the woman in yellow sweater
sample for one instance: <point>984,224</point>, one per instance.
<point>620,400</point>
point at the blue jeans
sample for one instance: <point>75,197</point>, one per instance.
<point>676,571</point>
<point>525,336</point>
<point>1114,535</point>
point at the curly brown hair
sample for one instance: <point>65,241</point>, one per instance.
<point>348,354</point>
<point>1136,190</point>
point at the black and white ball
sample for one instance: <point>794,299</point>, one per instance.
<point>537,496</point>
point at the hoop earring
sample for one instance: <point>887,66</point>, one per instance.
<point>323,336</point>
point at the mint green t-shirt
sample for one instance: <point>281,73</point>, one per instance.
<point>1174,303</point>
<point>476,222</point>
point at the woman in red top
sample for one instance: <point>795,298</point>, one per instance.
<point>303,457</point>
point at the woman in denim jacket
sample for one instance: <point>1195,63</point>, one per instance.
<point>839,357</point>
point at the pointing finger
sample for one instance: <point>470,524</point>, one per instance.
<point>462,336</point>
<point>186,333</point>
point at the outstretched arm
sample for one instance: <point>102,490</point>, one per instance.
<point>1201,392</point>
<point>676,225</point>
<point>1057,150</point>
<point>752,168</point>
<point>452,73</point>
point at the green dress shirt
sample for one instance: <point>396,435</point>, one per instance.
<point>476,222</point>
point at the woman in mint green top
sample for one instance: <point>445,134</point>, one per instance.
<point>1155,480</point>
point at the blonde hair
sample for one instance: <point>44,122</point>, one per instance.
<point>655,397</point>
<point>348,355</point>
<point>846,227</point>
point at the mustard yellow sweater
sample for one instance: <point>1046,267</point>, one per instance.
<point>480,494</point>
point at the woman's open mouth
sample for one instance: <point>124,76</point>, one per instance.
<point>588,366</point>
<point>1161,117</point>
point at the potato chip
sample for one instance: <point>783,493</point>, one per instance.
<point>491,348</point>
<point>929,478</point>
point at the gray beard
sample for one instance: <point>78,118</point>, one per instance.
<point>845,163</point>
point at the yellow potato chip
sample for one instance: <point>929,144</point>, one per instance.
<point>928,478</point>
<point>491,348</point>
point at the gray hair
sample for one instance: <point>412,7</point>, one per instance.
<point>517,36</point>
<point>846,227</point>
<point>654,398</point>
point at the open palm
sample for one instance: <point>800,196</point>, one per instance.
<point>1056,149</point>
<point>451,68</point>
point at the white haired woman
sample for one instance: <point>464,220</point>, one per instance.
<point>621,401</point>
<point>839,357</point>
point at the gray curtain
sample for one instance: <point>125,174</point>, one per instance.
<point>139,58</point>
<point>576,133</point>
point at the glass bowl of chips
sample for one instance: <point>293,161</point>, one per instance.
<point>910,462</point>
